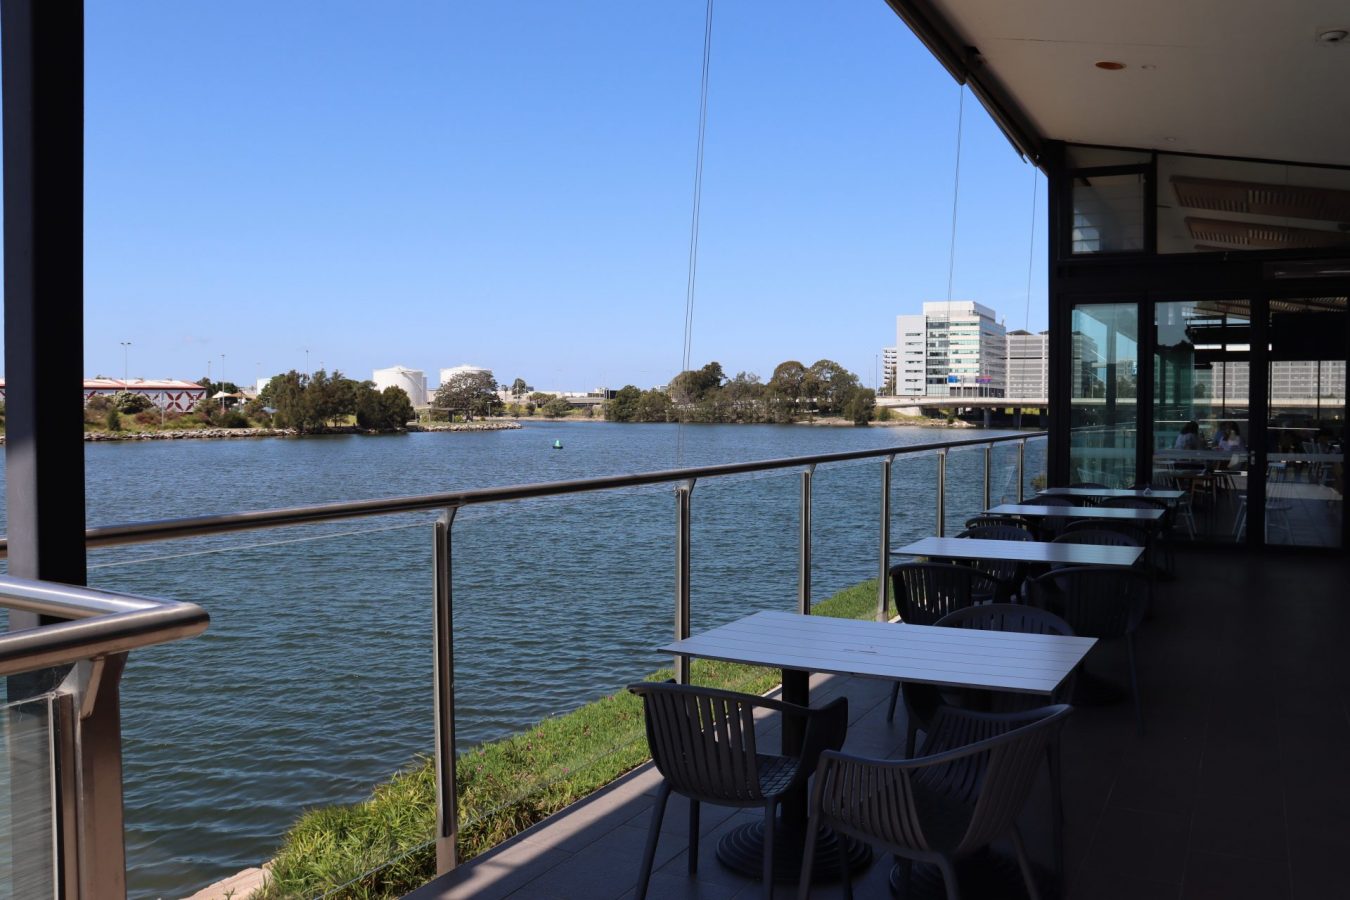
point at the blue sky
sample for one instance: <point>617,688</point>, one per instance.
<point>509,184</point>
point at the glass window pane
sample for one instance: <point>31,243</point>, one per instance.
<point>1208,205</point>
<point>1108,213</point>
<point>1104,386</point>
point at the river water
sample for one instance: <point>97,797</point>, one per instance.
<point>314,680</point>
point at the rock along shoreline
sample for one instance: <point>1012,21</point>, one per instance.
<point>205,434</point>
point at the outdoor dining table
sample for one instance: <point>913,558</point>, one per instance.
<point>1022,551</point>
<point>1104,493</point>
<point>1144,517</point>
<point>800,645</point>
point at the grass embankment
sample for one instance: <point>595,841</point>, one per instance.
<point>382,847</point>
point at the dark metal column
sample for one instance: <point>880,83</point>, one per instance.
<point>42,65</point>
<point>42,73</point>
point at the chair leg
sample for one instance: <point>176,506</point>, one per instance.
<point>654,834</point>
<point>1057,807</point>
<point>693,836</point>
<point>845,876</point>
<point>895,695</point>
<point>1025,865</point>
<point>809,855</point>
<point>1134,686</point>
<point>769,809</point>
<point>949,878</point>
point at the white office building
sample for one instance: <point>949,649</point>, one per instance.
<point>911,356</point>
<point>954,349</point>
<point>413,382</point>
<point>1028,358</point>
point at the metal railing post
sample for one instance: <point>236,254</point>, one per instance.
<point>98,804</point>
<point>1021,463</point>
<point>988,465</point>
<point>447,800</point>
<point>804,546</point>
<point>941,492</point>
<point>883,605</point>
<point>683,495</point>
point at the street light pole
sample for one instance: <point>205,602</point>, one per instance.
<point>125,350</point>
<point>222,381</point>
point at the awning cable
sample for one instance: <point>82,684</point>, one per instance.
<point>1031,252</point>
<point>693,222</point>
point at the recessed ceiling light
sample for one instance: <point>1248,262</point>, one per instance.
<point>1148,66</point>
<point>1110,65</point>
<point>1170,140</point>
<point>1333,35</point>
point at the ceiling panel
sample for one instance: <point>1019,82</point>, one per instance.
<point>1226,77</point>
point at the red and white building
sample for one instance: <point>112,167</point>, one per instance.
<point>167,394</point>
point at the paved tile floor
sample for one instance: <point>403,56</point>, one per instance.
<point>1238,789</point>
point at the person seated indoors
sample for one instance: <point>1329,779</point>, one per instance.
<point>1189,438</point>
<point>1232,438</point>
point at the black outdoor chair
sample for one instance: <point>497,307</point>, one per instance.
<point>985,519</point>
<point>923,701</point>
<point>1136,535</point>
<point>1053,525</point>
<point>925,592</point>
<point>1103,602</point>
<point>1159,535</point>
<point>964,794</point>
<point>703,743</point>
<point>1010,572</point>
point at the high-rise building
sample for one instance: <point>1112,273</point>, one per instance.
<point>888,360</point>
<point>954,349</point>
<point>1028,358</point>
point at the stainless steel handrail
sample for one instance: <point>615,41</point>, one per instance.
<point>168,529</point>
<point>105,623</point>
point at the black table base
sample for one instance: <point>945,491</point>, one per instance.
<point>742,851</point>
<point>984,876</point>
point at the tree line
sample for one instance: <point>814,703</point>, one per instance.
<point>314,402</point>
<point>794,392</point>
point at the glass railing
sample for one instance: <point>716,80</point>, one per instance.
<point>314,698</point>
<point>28,828</point>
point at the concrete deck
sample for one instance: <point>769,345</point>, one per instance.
<point>1238,789</point>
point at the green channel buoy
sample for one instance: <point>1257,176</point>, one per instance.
<point>557,445</point>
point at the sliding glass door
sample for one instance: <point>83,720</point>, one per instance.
<point>1305,422</point>
<point>1202,353</point>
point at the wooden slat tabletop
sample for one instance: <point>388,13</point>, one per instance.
<point>1113,492</point>
<point>1078,512</point>
<point>958,657</point>
<point>1023,551</point>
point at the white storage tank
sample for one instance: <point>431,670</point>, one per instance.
<point>413,382</point>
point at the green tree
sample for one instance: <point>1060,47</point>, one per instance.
<point>387,410</point>
<point>654,406</point>
<point>286,394</point>
<point>828,386</point>
<point>860,406</point>
<point>557,408</point>
<point>472,393</point>
<point>745,398</point>
<point>623,406</point>
<point>785,391</point>
<point>114,420</point>
<point>519,388</point>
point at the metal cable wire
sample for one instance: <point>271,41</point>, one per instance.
<point>694,217</point>
<point>1031,251</point>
